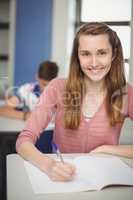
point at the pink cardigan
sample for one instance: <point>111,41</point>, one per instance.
<point>89,135</point>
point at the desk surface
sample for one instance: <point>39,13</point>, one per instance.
<point>19,187</point>
<point>15,125</point>
<point>11,125</point>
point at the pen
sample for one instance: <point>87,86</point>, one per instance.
<point>56,150</point>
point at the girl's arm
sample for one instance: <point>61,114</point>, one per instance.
<point>120,150</point>
<point>56,170</point>
<point>35,125</point>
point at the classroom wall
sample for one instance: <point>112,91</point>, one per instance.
<point>64,14</point>
<point>33,37</point>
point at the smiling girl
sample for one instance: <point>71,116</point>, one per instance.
<point>89,106</point>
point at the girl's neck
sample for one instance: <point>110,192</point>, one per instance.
<point>95,87</point>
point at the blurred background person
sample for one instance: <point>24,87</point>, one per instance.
<point>24,99</point>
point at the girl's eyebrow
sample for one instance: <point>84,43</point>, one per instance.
<point>85,50</point>
<point>106,49</point>
<point>82,50</point>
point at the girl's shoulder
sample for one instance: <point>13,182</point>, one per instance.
<point>129,89</point>
<point>58,80</point>
<point>58,83</point>
<point>56,87</point>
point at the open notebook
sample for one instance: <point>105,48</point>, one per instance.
<point>93,172</point>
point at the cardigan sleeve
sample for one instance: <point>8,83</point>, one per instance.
<point>130,101</point>
<point>42,114</point>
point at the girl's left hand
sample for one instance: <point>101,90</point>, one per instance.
<point>101,149</point>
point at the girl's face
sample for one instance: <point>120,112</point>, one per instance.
<point>95,56</point>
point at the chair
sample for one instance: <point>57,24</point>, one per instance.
<point>44,142</point>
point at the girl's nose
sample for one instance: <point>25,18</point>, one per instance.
<point>94,61</point>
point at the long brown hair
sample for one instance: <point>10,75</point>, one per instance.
<point>114,80</point>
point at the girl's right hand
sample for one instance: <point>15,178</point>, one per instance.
<point>61,171</point>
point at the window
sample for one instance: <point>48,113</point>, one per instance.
<point>105,10</point>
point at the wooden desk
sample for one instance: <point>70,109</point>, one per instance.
<point>15,125</point>
<point>19,187</point>
<point>11,125</point>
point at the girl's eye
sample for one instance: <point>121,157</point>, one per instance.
<point>85,54</point>
<point>102,53</point>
